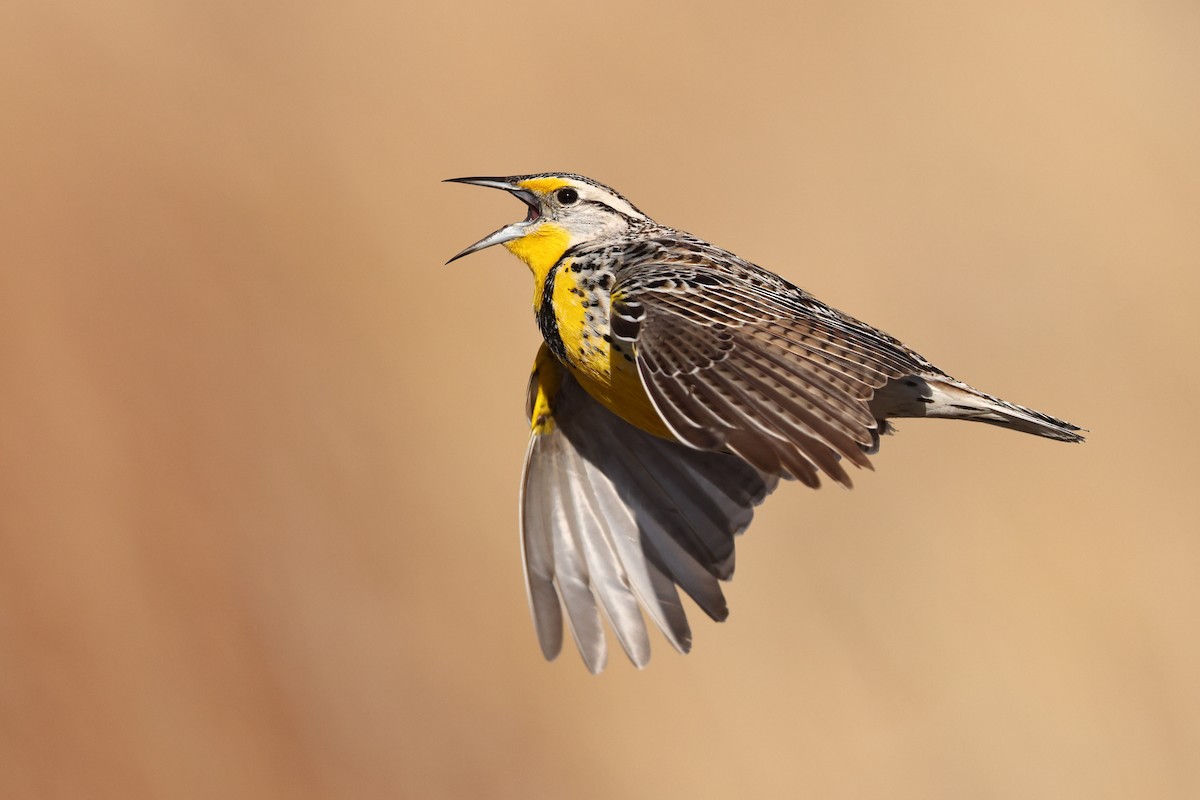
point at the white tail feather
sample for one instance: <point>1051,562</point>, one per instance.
<point>941,396</point>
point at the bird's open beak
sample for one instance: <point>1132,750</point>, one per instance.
<point>509,232</point>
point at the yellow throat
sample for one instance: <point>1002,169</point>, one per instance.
<point>542,248</point>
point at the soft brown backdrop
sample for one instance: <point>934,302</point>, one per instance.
<point>259,449</point>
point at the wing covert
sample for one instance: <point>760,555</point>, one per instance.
<point>741,361</point>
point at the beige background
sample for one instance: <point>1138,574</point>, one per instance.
<point>259,448</point>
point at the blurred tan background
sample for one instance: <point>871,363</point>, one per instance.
<point>259,448</point>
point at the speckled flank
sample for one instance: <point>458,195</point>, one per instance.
<point>544,382</point>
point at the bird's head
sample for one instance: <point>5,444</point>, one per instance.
<point>564,211</point>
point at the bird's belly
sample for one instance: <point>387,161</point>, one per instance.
<point>616,386</point>
<point>603,366</point>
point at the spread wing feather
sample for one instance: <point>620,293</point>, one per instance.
<point>614,519</point>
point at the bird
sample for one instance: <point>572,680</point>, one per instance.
<point>676,385</point>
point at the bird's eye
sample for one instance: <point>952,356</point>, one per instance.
<point>567,196</point>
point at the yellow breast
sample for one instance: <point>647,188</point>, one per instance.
<point>604,368</point>
<point>607,371</point>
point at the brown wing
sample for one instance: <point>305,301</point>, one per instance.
<point>736,359</point>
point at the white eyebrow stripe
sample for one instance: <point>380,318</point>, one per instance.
<point>613,201</point>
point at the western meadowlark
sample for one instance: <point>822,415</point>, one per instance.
<point>676,385</point>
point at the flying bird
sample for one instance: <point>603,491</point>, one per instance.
<point>677,383</point>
